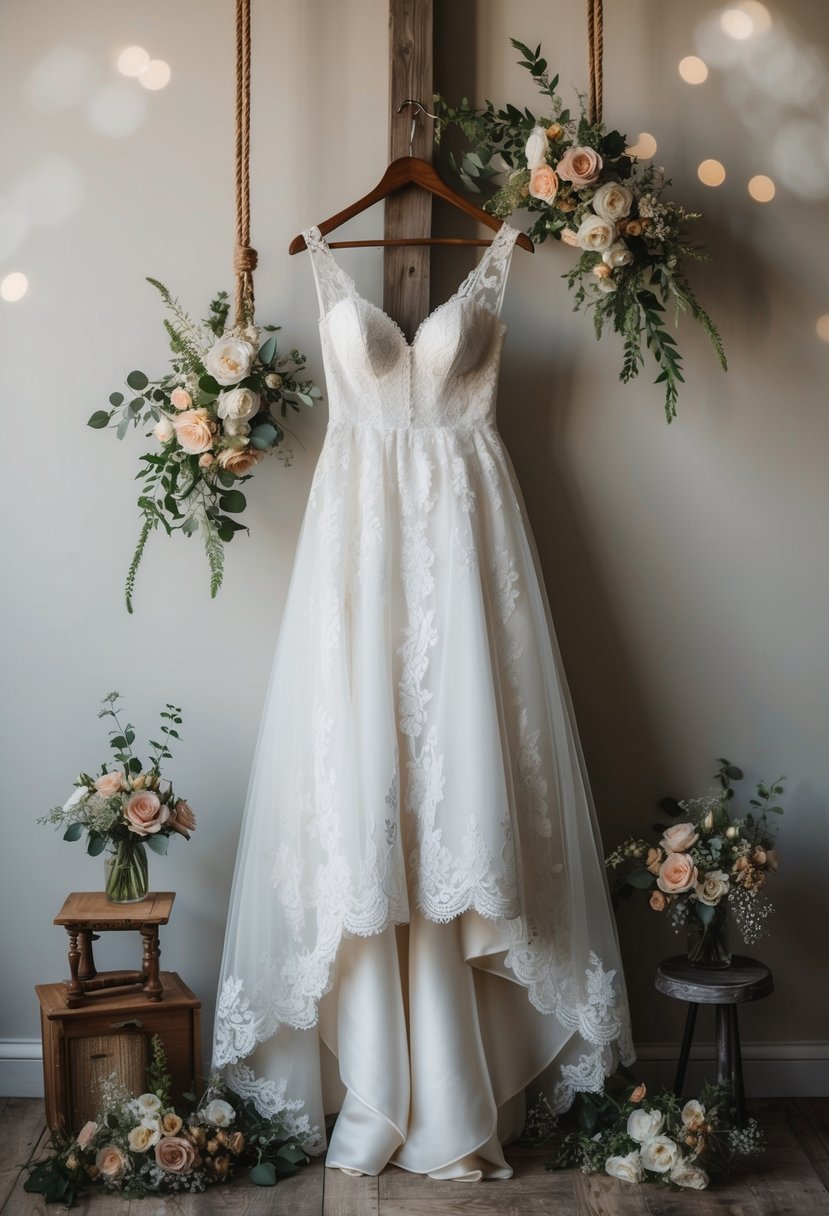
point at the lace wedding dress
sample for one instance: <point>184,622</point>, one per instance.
<point>419,924</point>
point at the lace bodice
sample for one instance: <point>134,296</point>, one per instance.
<point>445,377</point>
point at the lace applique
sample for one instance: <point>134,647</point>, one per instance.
<point>269,1098</point>
<point>460,485</point>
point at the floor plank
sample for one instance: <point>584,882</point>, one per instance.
<point>22,1125</point>
<point>783,1179</point>
<point>598,1195</point>
<point>347,1196</point>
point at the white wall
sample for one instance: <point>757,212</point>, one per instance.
<point>685,565</point>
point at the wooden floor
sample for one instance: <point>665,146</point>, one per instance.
<point>793,1178</point>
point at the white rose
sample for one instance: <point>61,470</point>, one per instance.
<point>628,1168</point>
<point>236,426</point>
<point>239,404</point>
<point>218,1112</point>
<point>537,147</point>
<point>78,796</point>
<point>617,255</point>
<point>230,360</point>
<point>145,1136</point>
<point>643,1124</point>
<point>659,1154</point>
<point>148,1104</point>
<point>713,887</point>
<point>164,429</point>
<point>693,1114</point>
<point>596,234</point>
<point>273,380</point>
<point>612,202</point>
<point>685,1173</point>
<point>679,837</point>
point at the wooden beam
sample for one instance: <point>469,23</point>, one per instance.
<point>409,212</point>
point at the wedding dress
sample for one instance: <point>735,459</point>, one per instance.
<point>419,924</point>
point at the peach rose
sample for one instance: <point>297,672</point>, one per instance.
<point>679,837</point>
<point>87,1134</point>
<point>171,1124</point>
<point>544,183</point>
<point>554,130</point>
<point>239,460</point>
<point>581,166</point>
<point>193,431</point>
<point>653,860</point>
<point>602,271</point>
<point>677,874</point>
<point>110,1161</point>
<point>569,237</point>
<point>658,901</point>
<point>180,399</point>
<point>638,1093</point>
<point>205,460</point>
<point>145,813</point>
<point>182,819</point>
<point>633,228</point>
<point>175,1155</point>
<point>109,784</point>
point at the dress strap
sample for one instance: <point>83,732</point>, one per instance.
<point>333,284</point>
<point>488,281</point>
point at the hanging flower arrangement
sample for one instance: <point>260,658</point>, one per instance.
<point>584,188</point>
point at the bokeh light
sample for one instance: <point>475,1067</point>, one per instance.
<point>14,228</point>
<point>14,286</point>
<point>133,61</point>
<point>693,70</point>
<point>711,173</point>
<point>822,327</point>
<point>644,148</point>
<point>156,74</point>
<point>759,15</point>
<point>737,24</point>
<point>117,109</point>
<point>61,79</point>
<point>50,193</point>
<point>761,188</point>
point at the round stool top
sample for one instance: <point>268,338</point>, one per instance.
<point>745,980</point>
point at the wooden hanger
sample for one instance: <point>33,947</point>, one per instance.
<point>408,171</point>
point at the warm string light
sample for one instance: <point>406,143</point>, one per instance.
<point>711,173</point>
<point>135,62</point>
<point>693,70</point>
<point>822,327</point>
<point>132,61</point>
<point>644,148</point>
<point>761,188</point>
<point>155,75</point>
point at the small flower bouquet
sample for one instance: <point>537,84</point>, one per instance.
<point>142,1146</point>
<point>217,413</point>
<point>705,865</point>
<point>127,808</point>
<point>641,1139</point>
<point>584,188</point>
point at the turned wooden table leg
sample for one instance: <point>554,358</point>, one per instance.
<point>74,986</point>
<point>87,970</point>
<point>152,987</point>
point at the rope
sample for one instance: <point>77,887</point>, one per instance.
<point>245,257</point>
<point>595,52</point>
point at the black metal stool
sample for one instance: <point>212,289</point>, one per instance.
<point>726,988</point>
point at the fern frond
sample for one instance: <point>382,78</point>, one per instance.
<point>214,551</point>
<point>146,529</point>
<point>189,331</point>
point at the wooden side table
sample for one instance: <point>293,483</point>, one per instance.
<point>725,988</point>
<point>84,915</point>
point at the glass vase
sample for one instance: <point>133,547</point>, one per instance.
<point>127,878</point>
<point>708,944</point>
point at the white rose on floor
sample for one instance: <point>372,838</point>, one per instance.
<point>148,1104</point>
<point>219,1112</point>
<point>617,255</point>
<point>230,360</point>
<point>679,837</point>
<point>612,202</point>
<point>644,1124</point>
<point>239,404</point>
<point>537,148</point>
<point>596,234</point>
<point>164,430</point>
<point>685,1173</point>
<point>628,1168</point>
<point>659,1154</point>
<point>713,887</point>
<point>693,1114</point>
<point>236,426</point>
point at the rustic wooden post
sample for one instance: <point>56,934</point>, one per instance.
<point>408,212</point>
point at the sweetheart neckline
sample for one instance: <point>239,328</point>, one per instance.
<point>410,346</point>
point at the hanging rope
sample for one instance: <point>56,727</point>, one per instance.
<point>595,52</point>
<point>245,259</point>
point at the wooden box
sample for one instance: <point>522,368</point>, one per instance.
<point>112,1034</point>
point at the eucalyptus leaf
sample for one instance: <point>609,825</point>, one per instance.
<point>233,501</point>
<point>705,913</point>
<point>158,843</point>
<point>73,832</point>
<point>116,399</point>
<point>268,350</point>
<point>263,436</point>
<point>137,381</point>
<point>263,1174</point>
<point>96,844</point>
<point>641,878</point>
<point>100,419</point>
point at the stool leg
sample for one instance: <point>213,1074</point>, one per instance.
<point>737,1085</point>
<point>723,1044</point>
<point>685,1049</point>
<point>74,987</point>
<point>152,987</point>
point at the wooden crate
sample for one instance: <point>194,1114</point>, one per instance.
<point>112,1034</point>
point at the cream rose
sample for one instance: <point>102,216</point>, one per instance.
<point>693,1115</point>
<point>543,184</point>
<point>218,1112</point>
<point>109,783</point>
<point>175,1155</point>
<point>180,399</point>
<point>87,1134</point>
<point>536,149</point>
<point>685,1173</point>
<point>205,460</point>
<point>230,360</point>
<point>110,1161</point>
<point>145,815</point>
<point>273,380</point>
<point>713,887</point>
<point>239,460</point>
<point>171,1124</point>
<point>628,1168</point>
<point>677,874</point>
<point>595,234</point>
<point>617,255</point>
<point>236,426</point>
<point>644,1124</point>
<point>679,838</point>
<point>239,404</point>
<point>612,202</point>
<point>148,1104</point>
<point>659,1154</point>
<point>142,1138</point>
<point>581,166</point>
<point>193,431</point>
<point>164,429</point>
<point>653,860</point>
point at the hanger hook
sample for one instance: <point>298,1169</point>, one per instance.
<point>418,110</point>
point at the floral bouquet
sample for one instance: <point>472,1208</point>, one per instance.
<point>641,1139</point>
<point>128,807</point>
<point>143,1146</point>
<point>217,413</point>
<point>706,865</point>
<point>587,190</point>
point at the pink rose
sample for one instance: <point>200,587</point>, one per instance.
<point>145,813</point>
<point>182,819</point>
<point>175,1155</point>
<point>677,874</point>
<point>239,460</point>
<point>111,1161</point>
<point>109,784</point>
<point>679,837</point>
<point>193,431</point>
<point>569,237</point>
<point>181,399</point>
<point>653,860</point>
<point>87,1134</point>
<point>581,166</point>
<point>544,183</point>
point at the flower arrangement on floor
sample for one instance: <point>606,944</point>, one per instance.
<point>127,808</point>
<point>587,190</point>
<point>139,1146</point>
<point>641,1139</point>
<point>706,865</point>
<point>217,413</point>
